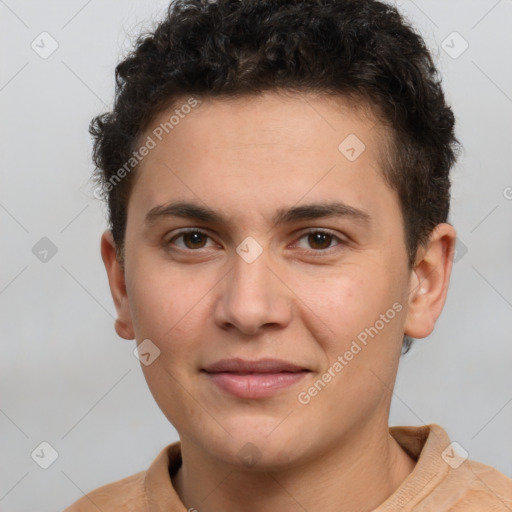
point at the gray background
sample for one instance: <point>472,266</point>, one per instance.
<point>67,379</point>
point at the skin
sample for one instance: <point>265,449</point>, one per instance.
<point>301,300</point>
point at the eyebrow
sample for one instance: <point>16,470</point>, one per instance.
<point>193,211</point>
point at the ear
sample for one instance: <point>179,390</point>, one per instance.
<point>116,281</point>
<point>429,281</point>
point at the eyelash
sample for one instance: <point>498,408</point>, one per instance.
<point>304,234</point>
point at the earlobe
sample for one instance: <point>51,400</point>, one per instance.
<point>116,280</point>
<point>429,282</point>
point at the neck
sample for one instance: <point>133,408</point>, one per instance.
<point>337,479</point>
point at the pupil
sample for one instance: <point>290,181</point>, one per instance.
<point>194,239</point>
<point>320,239</point>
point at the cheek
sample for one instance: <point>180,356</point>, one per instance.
<point>166,305</point>
<point>344,300</point>
<point>358,325</point>
<point>358,303</point>
<point>169,308</point>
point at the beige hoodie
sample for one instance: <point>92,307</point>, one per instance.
<point>441,481</point>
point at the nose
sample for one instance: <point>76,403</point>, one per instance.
<point>252,296</point>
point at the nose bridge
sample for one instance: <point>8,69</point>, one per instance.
<point>252,295</point>
<point>251,271</point>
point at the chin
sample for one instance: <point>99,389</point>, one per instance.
<point>257,444</point>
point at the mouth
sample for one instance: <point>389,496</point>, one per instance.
<point>254,379</point>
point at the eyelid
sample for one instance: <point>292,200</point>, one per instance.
<point>183,231</point>
<point>341,241</point>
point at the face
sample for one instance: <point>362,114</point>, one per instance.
<point>265,261</point>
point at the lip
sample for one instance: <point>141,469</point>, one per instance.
<point>237,365</point>
<point>254,379</point>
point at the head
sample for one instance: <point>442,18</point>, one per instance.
<point>306,147</point>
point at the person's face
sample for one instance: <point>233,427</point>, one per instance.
<point>276,278</point>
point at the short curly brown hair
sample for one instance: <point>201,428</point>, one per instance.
<point>225,48</point>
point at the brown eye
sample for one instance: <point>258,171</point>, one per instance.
<point>319,240</point>
<point>194,240</point>
<point>190,240</point>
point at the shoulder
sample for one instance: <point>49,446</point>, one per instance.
<point>127,494</point>
<point>481,487</point>
<point>133,493</point>
<point>445,480</point>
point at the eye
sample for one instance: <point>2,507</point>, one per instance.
<point>194,239</point>
<point>191,239</point>
<point>320,240</point>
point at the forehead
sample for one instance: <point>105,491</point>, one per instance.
<point>273,148</point>
<point>290,119</point>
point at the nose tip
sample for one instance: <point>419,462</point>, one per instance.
<point>251,295</point>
